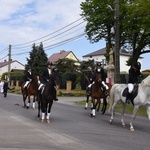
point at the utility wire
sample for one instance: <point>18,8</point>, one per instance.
<point>50,37</point>
<point>47,35</point>
<point>56,44</point>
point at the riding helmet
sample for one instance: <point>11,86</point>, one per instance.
<point>98,64</point>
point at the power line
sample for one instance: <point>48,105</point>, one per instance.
<point>46,35</point>
<point>50,37</point>
<point>56,44</point>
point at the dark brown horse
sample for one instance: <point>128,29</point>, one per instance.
<point>32,90</point>
<point>97,94</point>
<point>46,97</point>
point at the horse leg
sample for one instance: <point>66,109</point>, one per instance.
<point>24,100</point>
<point>43,114</point>
<point>104,105</point>
<point>39,108</point>
<point>122,114</point>
<point>112,112</point>
<point>133,117</point>
<point>98,103</point>
<point>48,112</point>
<point>33,105</point>
<point>93,109</point>
<point>87,100</point>
<point>28,104</point>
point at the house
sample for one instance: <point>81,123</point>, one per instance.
<point>98,56</point>
<point>14,65</point>
<point>61,55</point>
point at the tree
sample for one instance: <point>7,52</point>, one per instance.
<point>37,59</point>
<point>134,28</point>
<point>66,65</point>
<point>68,71</point>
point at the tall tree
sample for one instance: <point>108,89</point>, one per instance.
<point>37,59</point>
<point>134,28</point>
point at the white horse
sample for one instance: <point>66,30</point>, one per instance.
<point>142,99</point>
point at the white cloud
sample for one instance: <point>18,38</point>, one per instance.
<point>25,20</point>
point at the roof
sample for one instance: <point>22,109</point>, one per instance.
<point>61,55</point>
<point>103,52</point>
<point>5,63</point>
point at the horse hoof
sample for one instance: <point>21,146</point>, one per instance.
<point>132,129</point>
<point>103,113</point>
<point>38,118</point>
<point>27,107</point>
<point>42,121</point>
<point>85,108</point>
<point>124,126</point>
<point>48,121</point>
<point>110,121</point>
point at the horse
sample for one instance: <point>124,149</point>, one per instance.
<point>142,98</point>
<point>97,94</point>
<point>32,90</point>
<point>45,98</point>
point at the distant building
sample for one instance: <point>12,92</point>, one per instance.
<point>99,56</point>
<point>61,55</point>
<point>14,65</point>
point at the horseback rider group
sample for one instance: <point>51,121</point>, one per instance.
<point>99,70</point>
<point>47,75</point>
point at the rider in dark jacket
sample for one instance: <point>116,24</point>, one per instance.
<point>100,70</point>
<point>28,78</point>
<point>48,75</point>
<point>134,74</point>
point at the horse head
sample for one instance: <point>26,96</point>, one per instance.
<point>98,78</point>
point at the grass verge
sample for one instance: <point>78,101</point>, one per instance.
<point>118,108</point>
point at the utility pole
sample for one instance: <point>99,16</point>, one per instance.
<point>9,62</point>
<point>117,43</point>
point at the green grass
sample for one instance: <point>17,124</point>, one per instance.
<point>118,108</point>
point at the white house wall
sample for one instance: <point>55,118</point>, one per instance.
<point>14,65</point>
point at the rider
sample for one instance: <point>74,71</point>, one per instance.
<point>134,74</point>
<point>28,78</point>
<point>48,75</point>
<point>100,70</point>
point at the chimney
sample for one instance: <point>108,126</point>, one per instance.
<point>61,51</point>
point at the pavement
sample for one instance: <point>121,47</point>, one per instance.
<point>69,100</point>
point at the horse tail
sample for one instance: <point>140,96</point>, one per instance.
<point>111,97</point>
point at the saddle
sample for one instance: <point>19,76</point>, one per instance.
<point>133,94</point>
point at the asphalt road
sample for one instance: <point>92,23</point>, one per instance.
<point>71,128</point>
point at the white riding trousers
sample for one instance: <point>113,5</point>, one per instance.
<point>130,87</point>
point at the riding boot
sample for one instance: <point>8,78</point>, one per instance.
<point>104,90</point>
<point>128,98</point>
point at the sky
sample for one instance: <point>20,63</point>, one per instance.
<point>55,23</point>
